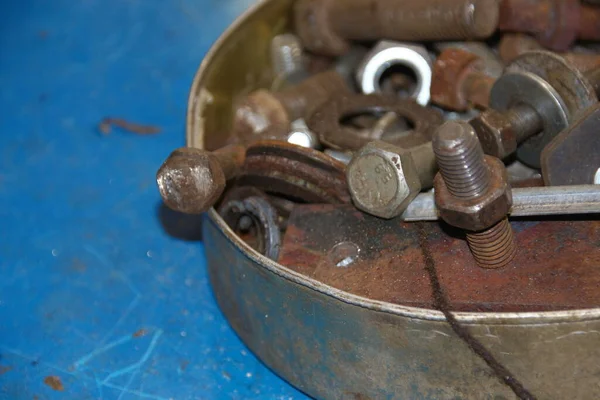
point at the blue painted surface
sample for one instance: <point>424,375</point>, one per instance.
<point>85,257</point>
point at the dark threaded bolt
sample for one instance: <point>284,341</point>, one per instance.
<point>192,180</point>
<point>525,120</point>
<point>460,160</point>
<point>462,165</point>
<point>327,26</point>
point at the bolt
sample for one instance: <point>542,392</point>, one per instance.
<point>512,45</point>
<point>287,56</point>
<point>192,180</point>
<point>458,81</point>
<point>540,92</point>
<point>383,179</point>
<point>556,24</point>
<point>328,26</point>
<point>467,178</point>
<point>263,110</point>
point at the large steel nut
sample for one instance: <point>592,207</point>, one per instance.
<point>387,54</point>
<point>478,213</point>
<point>495,133</point>
<point>383,179</point>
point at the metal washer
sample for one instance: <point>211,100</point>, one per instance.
<point>526,88</point>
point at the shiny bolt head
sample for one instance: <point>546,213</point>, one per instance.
<point>495,133</point>
<point>383,179</point>
<point>191,180</point>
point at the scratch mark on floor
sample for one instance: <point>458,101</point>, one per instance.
<point>138,364</point>
<point>130,307</point>
<point>131,378</point>
<point>99,350</point>
<point>136,392</point>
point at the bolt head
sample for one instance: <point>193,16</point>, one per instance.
<point>190,180</point>
<point>383,179</point>
<point>481,212</point>
<point>258,115</point>
<point>496,134</point>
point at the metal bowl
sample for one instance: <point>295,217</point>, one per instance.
<point>333,344</point>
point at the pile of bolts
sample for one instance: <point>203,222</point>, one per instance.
<point>464,110</point>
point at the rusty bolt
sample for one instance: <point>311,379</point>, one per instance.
<point>512,45</point>
<point>539,93</point>
<point>328,26</point>
<point>458,81</point>
<point>556,24</point>
<point>192,180</point>
<point>263,110</point>
<point>472,193</point>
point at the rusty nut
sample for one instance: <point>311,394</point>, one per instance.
<point>495,133</point>
<point>450,72</point>
<point>383,179</point>
<point>481,212</point>
<point>258,113</point>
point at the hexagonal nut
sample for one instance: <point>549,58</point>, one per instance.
<point>450,71</point>
<point>257,113</point>
<point>495,133</point>
<point>311,19</point>
<point>191,180</point>
<point>479,213</point>
<point>387,54</point>
<point>383,179</point>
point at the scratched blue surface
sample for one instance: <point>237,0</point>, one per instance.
<point>88,256</point>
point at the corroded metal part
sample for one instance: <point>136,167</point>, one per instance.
<point>322,339</point>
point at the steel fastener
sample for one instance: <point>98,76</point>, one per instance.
<point>539,92</point>
<point>192,180</point>
<point>492,64</point>
<point>274,111</point>
<point>327,121</point>
<point>255,213</point>
<point>387,55</point>
<point>328,26</point>
<point>555,23</point>
<point>383,179</point>
<point>472,193</point>
<point>512,45</point>
<point>458,81</point>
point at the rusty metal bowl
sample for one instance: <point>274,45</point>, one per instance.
<point>333,344</point>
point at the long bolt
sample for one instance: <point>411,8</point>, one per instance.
<point>555,23</point>
<point>192,180</point>
<point>512,45</point>
<point>328,26</point>
<point>462,165</point>
<point>523,120</point>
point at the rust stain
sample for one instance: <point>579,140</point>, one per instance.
<point>4,369</point>
<point>140,333</point>
<point>55,383</point>
<point>184,364</point>
<point>557,266</point>
<point>107,123</point>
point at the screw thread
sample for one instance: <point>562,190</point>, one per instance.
<point>286,54</point>
<point>495,247</point>
<point>461,160</point>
